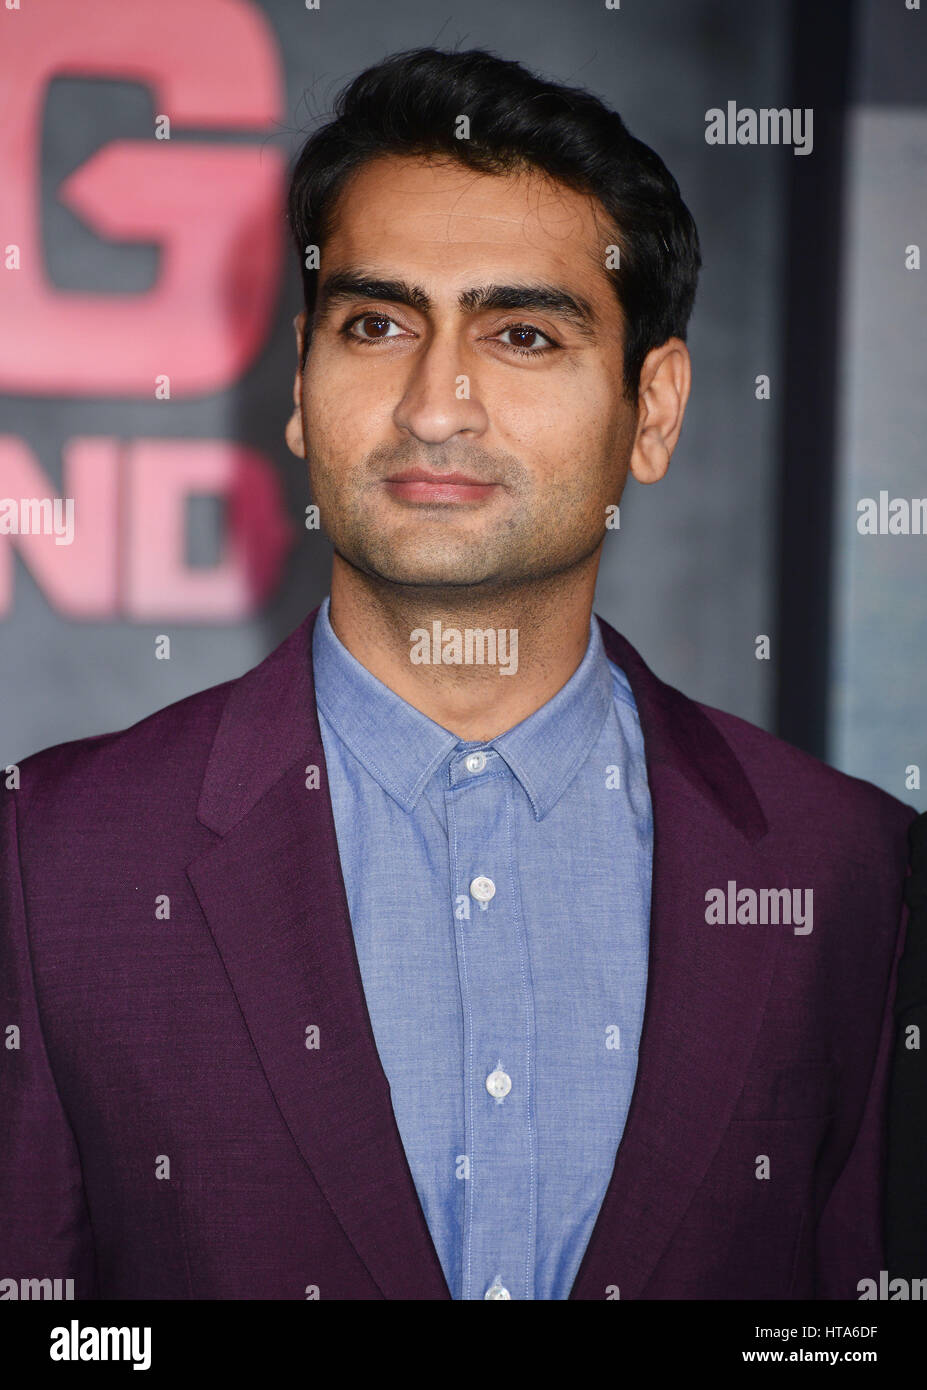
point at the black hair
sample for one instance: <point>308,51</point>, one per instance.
<point>410,104</point>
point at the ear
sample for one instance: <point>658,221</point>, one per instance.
<point>666,379</point>
<point>294,427</point>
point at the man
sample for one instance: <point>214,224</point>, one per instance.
<point>449,952</point>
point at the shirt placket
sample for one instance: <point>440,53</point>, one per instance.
<point>500,1140</point>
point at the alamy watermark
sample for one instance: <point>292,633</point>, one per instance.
<point>38,516</point>
<point>27,1289</point>
<point>77,1343</point>
<point>770,125</point>
<point>896,1290</point>
<point>895,516</point>
<point>793,907</point>
<point>472,646</point>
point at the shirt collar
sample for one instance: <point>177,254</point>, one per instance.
<point>402,748</point>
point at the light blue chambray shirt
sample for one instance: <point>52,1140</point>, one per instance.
<point>507,1021</point>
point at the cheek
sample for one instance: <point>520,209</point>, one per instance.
<point>343,407</point>
<point>567,407</point>
<point>564,438</point>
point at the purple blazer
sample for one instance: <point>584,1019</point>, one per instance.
<point>174,919</point>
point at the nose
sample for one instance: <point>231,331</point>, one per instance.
<point>440,399</point>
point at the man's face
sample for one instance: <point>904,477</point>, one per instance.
<point>525,400</point>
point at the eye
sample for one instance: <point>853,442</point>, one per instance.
<point>525,336</point>
<point>377,321</point>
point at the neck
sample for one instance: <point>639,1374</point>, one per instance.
<point>540,631</point>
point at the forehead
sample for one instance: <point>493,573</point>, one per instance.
<point>431,216</point>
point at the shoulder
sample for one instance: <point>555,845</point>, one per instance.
<point>160,757</point>
<point>795,788</point>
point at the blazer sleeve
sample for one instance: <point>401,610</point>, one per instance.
<point>849,1242</point>
<point>906,1180</point>
<point>45,1228</point>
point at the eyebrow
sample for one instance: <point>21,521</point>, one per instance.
<point>534,296</point>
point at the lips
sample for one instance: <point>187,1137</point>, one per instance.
<point>422,475</point>
<point>418,485</point>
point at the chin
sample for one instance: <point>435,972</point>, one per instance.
<point>426,572</point>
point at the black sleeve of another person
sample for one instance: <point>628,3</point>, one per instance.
<point>906,1171</point>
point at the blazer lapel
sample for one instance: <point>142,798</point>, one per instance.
<point>273,895</point>
<point>706,988</point>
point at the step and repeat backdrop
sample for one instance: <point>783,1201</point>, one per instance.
<point>148,289</point>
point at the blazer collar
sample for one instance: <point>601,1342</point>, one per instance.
<point>273,895</point>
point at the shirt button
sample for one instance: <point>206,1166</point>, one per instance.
<point>475,762</point>
<point>498,1083</point>
<point>497,1290</point>
<point>483,889</point>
